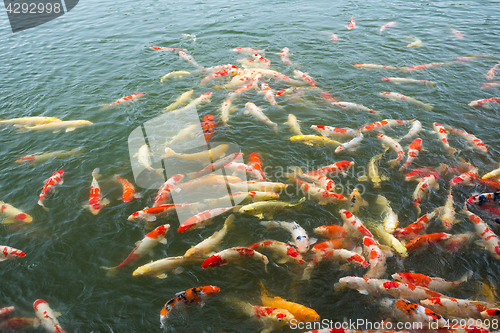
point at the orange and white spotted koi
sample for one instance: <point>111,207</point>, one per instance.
<point>424,66</point>
<point>411,100</point>
<point>383,124</point>
<point>485,103</point>
<point>375,257</point>
<point>374,66</point>
<point>334,131</point>
<point>46,317</point>
<point>388,142</point>
<point>490,240</point>
<point>423,242</point>
<point>353,107</point>
<point>408,291</point>
<point>199,220</point>
<point>387,26</point>
<point>454,307</point>
<point>465,178</point>
<point>128,189</point>
<point>254,110</point>
<point>331,244</point>
<point>457,33</point>
<point>318,180</point>
<point>447,212</point>
<point>283,251</point>
<point>351,145</point>
<point>12,214</point>
<point>494,85</point>
<point>236,168</point>
<point>475,143</point>
<point>151,214</point>
<point>336,254</point>
<point>433,283</point>
<point>268,94</point>
<point>413,151</point>
<point>7,252</point>
<point>124,100</point>
<point>184,56</point>
<point>217,68</point>
<point>256,163</point>
<point>299,235</point>
<point>406,311</point>
<point>184,299</point>
<point>334,169</point>
<point>163,195</point>
<point>291,90</point>
<point>491,73</point>
<point>416,228</point>
<point>423,189</point>
<point>353,225</point>
<point>352,24</point>
<point>6,312</point>
<point>443,136</point>
<point>233,255</point>
<point>305,77</point>
<point>261,60</point>
<point>247,50</point>
<point>415,128</point>
<point>95,202</point>
<point>55,179</point>
<point>400,80</point>
<point>284,55</point>
<point>323,196</point>
<point>331,231</point>
<point>160,48</point>
<point>225,72</point>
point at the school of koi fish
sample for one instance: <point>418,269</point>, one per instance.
<point>362,249</point>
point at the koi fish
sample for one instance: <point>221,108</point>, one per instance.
<point>282,251</point>
<point>400,80</point>
<point>424,66</point>
<point>200,100</point>
<point>388,142</point>
<point>352,24</point>
<point>128,189</point>
<point>376,258</point>
<point>160,48</point>
<point>387,26</point>
<point>490,240</point>
<point>12,214</point>
<point>233,255</point>
<point>433,283</point>
<point>95,202</point>
<point>492,174</point>
<point>293,123</point>
<point>7,252</point>
<point>390,240</point>
<point>415,128</point>
<point>484,198</point>
<point>258,186</point>
<point>225,72</point>
<point>159,268</point>
<point>423,189</point>
<point>144,158</point>
<point>184,299</point>
<point>151,214</point>
<point>206,155</point>
<point>237,168</point>
<point>458,241</point>
<point>351,145</point>
<point>183,98</point>
<point>491,73</point>
<point>336,254</point>
<point>353,225</point>
<point>383,124</point>
<point>256,164</point>
<point>261,60</point>
<point>456,33</point>
<point>356,201</point>
<point>57,126</point>
<point>301,239</point>
<point>413,150</point>
<point>331,231</point>
<point>304,76</point>
<point>145,246</point>
<point>353,107</point>
<point>315,140</point>
<point>299,311</point>
<point>323,196</point>
<point>205,248</point>
<point>54,180</point>
<point>247,50</point>
<point>17,324</point>
<point>409,291</point>
<point>6,312</point>
<point>415,229</point>
<point>390,218</point>
<point>465,178</point>
<point>184,56</point>
<point>322,182</point>
<point>28,121</point>
<point>333,169</point>
<point>251,108</point>
<point>284,56</point>
<point>397,96</point>
<point>215,166</point>
<point>198,220</point>
<point>454,307</point>
<point>363,285</point>
<point>43,157</point>
<point>447,214</point>
<point>474,142</point>
<point>334,36</point>
<point>373,174</point>
<point>174,74</point>
<point>425,241</point>
<point>374,66</point>
<point>268,94</point>
<point>46,317</point>
<point>485,103</point>
<point>268,208</point>
<point>333,131</point>
<point>443,136</point>
<point>495,85</point>
<point>406,311</point>
<point>193,37</point>
<point>416,42</point>
<point>124,100</point>
<point>491,313</point>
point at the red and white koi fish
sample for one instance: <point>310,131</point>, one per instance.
<point>424,66</point>
<point>7,252</point>
<point>124,100</point>
<point>490,240</point>
<point>425,241</point>
<point>353,107</point>
<point>237,168</point>
<point>387,26</point>
<point>465,178</point>
<point>251,108</point>
<point>294,124</point>
<point>423,189</point>
<point>143,247</point>
<point>256,163</point>
<point>388,142</point>
<point>352,24</point>
<point>151,214</point>
<point>491,73</point>
<point>415,128</point>
<point>55,179</point>
<point>334,131</point>
<point>416,228</point>
<point>334,36</point>
<point>475,143</point>
<point>11,214</point>
<point>356,201</point>
<point>47,317</point>
<point>408,291</point>
<point>160,48</point>
<point>458,241</point>
<point>374,66</point>
<point>406,311</point>
<point>469,58</point>
<point>443,136</point>
<point>363,285</point>
<point>215,68</point>
<point>353,225</point>
<point>397,96</point>
<point>433,283</point>
<point>128,189</point>
<point>247,50</point>
<point>184,299</point>
<point>375,257</point>
<point>485,103</point>
<point>225,72</point>
<point>292,90</point>
<point>491,313</point>
<point>400,80</point>
<point>268,94</point>
<point>454,307</point>
<point>495,85</point>
<point>413,151</point>
<point>383,124</point>
<point>184,56</point>
<point>322,182</point>
<point>299,235</point>
<point>233,255</point>
<point>284,56</point>
<point>261,60</point>
<point>351,145</point>
<point>483,198</point>
<point>331,244</point>
<point>304,76</point>
<point>198,220</point>
<point>283,251</point>
<point>215,166</point>
<point>43,157</point>
<point>163,195</point>
<point>333,169</point>
<point>456,33</point>
<point>95,201</point>
<point>336,254</point>
<point>6,312</point>
<point>331,231</point>
<point>323,196</point>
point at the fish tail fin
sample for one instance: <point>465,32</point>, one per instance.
<point>21,128</point>
<point>104,106</point>
<point>466,277</point>
<point>428,107</point>
<point>393,163</point>
<point>298,205</point>
<point>377,113</point>
<point>41,204</point>
<point>275,126</point>
<point>95,173</point>
<point>112,271</point>
<point>228,223</point>
<point>431,84</point>
<point>382,201</point>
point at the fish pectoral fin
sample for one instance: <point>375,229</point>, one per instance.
<point>179,270</point>
<point>385,178</point>
<point>57,314</point>
<point>161,276</point>
<point>363,291</point>
<point>363,179</point>
<point>138,243</point>
<point>105,202</point>
<point>312,241</point>
<point>260,215</point>
<point>150,218</point>
<point>163,240</point>
<point>70,129</point>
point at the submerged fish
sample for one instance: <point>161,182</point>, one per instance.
<point>57,126</point>
<point>11,214</point>
<point>43,157</point>
<point>124,100</point>
<point>268,208</point>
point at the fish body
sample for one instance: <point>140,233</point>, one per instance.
<point>251,108</point>
<point>7,252</point>
<point>390,240</point>
<point>353,225</point>
<point>304,76</point>
<point>163,195</point>
<point>331,231</point>
<point>408,291</point>
<point>144,156</point>
<point>325,254</point>
<point>388,142</point>
<point>400,80</point>
<point>373,174</point>
<point>323,196</point>
<point>215,166</point>
<point>261,60</point>
<point>484,198</point>
<point>12,214</point>
<point>283,251</point>
<point>225,72</point>
<point>57,126</point>
<point>47,317</point>
<point>411,100</point>
<point>6,312</point>
<point>465,178</point>
<point>294,124</point>
<point>415,229</point>
<point>226,109</point>
<point>356,201</point>
<point>124,100</point>
<point>416,42</point>
<point>492,174</point>
<point>200,100</point>
<point>198,220</point>
<point>151,214</point>
<point>352,24</point>
<point>491,73</point>
<point>95,201</point>
<point>453,307</point>
<point>206,155</point>
<point>383,124</point>
<point>457,33</point>
<point>353,107</point>
<point>271,318</point>
<point>237,167</point>
<point>248,50</point>
<point>205,248</point>
<point>268,94</point>
<point>415,128</point>
<point>268,208</point>
<point>322,182</point>
<point>299,311</point>
<point>387,26</point>
<point>184,56</point>
<point>494,85</point>
<point>490,240</point>
<point>258,186</point>
<point>334,131</point>
<point>413,151</point>
<point>159,268</point>
<point>423,189</point>
<point>284,56</point>
<point>315,140</point>
<point>160,48</point>
<point>447,215</point>
<point>433,283</point>
<point>406,311</point>
<point>351,145</point>
<point>128,189</point>
<point>374,66</point>
<point>364,285</point>
<point>183,299</point>
<point>54,180</point>
<point>233,255</point>
<point>474,142</point>
<point>333,169</point>
<point>256,164</point>
<point>424,66</point>
<point>485,103</point>
<point>43,157</point>
<point>174,74</point>
<point>29,121</point>
<point>375,257</point>
<point>17,324</point>
<point>299,235</point>
<point>183,98</point>
<point>390,218</point>
<point>426,241</point>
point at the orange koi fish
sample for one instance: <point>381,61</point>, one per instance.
<point>406,311</point>
<point>55,179</point>
<point>352,24</point>
<point>485,103</point>
<point>151,214</point>
<point>433,283</point>
<point>7,252</point>
<point>256,164</point>
<point>128,189</point>
<point>124,100</point>
<point>95,203</point>
<point>208,125</point>
<point>333,169</point>
<point>425,241</point>
<point>284,252</point>
<point>331,231</point>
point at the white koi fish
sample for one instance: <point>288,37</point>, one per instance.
<point>95,201</point>
<point>388,142</point>
<point>174,74</point>
<point>416,127</point>
<point>390,218</point>
<point>485,103</point>
<point>28,121</point>
<point>401,80</point>
<point>159,268</point>
<point>258,186</point>
<point>423,189</point>
<point>474,142</point>
<point>214,166</point>
<point>353,107</point>
<point>261,60</point>
<point>184,56</point>
<point>284,55</point>
<point>46,317</point>
<point>57,126</point>
<point>185,134</point>
<point>443,136</point>
<point>301,239</point>
<point>375,257</point>
<point>363,285</point>
<point>334,131</point>
<point>226,109</point>
<point>144,158</point>
<point>406,311</point>
<point>453,307</point>
<point>284,252</point>
<point>294,124</point>
<point>351,145</point>
<point>206,247</point>
<point>183,98</point>
<point>387,26</point>
<point>447,212</point>
<point>200,100</point>
<point>411,100</point>
<point>416,42</point>
<point>375,66</point>
<point>247,50</point>
<point>255,111</point>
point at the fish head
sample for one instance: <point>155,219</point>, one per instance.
<point>163,316</point>
<point>134,217</point>
<point>213,261</point>
<point>210,290</point>
<point>247,210</point>
<point>142,271</point>
<point>281,316</point>
<point>308,315</point>
<point>26,159</point>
